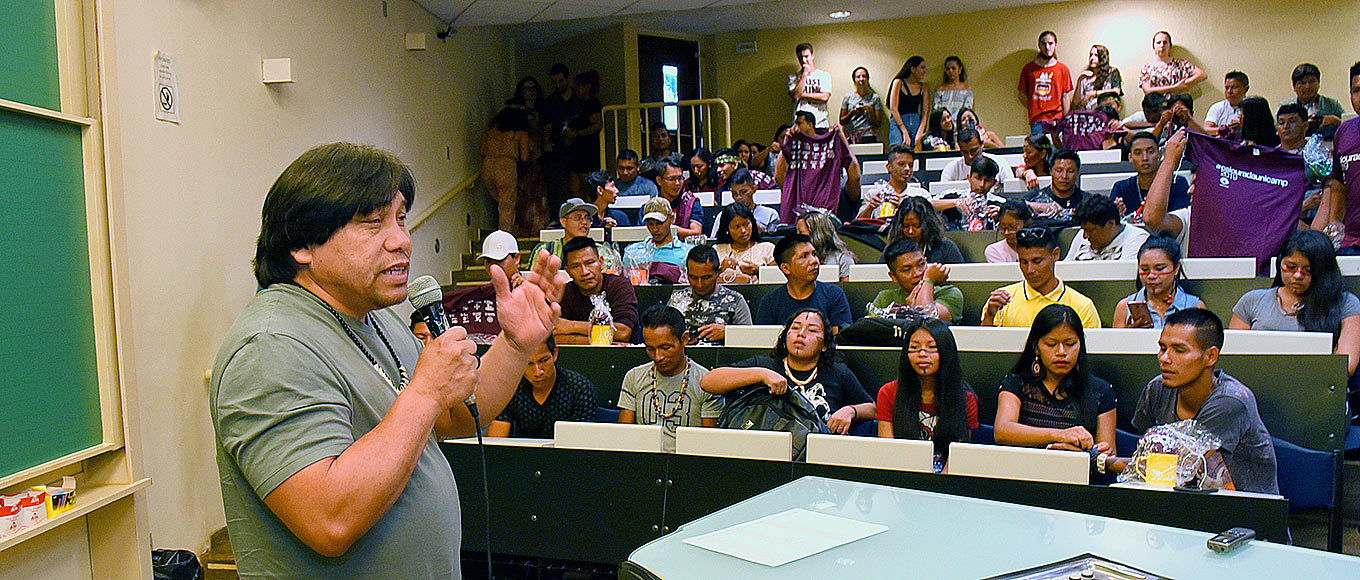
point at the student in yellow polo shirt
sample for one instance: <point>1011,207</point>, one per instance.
<point>1017,304</point>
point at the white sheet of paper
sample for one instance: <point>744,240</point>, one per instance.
<point>781,538</point>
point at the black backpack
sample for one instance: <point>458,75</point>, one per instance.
<point>757,408</point>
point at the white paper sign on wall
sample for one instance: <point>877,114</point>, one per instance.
<point>167,90</point>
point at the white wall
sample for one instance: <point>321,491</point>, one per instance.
<point>191,193</point>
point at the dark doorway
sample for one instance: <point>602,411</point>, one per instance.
<point>669,72</point>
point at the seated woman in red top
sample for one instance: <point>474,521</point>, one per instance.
<point>929,400</point>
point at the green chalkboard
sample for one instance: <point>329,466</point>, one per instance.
<point>49,391</point>
<point>28,53</point>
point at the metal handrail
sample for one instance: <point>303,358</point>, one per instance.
<point>636,138</point>
<point>452,194</point>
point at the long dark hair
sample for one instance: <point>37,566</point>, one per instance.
<point>933,127</point>
<point>734,210</point>
<point>1103,70</point>
<point>963,70</point>
<point>1076,384</point>
<point>932,229</point>
<point>1258,124</point>
<point>710,176</point>
<point>905,72</point>
<point>826,359</point>
<point>1167,243</point>
<point>1041,142</point>
<point>951,397</point>
<point>1321,304</point>
<point>518,99</point>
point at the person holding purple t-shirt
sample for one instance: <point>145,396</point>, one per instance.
<point>1340,208</point>
<point>809,170</point>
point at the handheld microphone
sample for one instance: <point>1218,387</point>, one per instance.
<point>427,297</point>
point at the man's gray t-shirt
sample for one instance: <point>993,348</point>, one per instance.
<point>289,388</point>
<point>1230,413</point>
<point>689,404</point>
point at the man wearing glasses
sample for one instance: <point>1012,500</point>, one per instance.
<point>689,213</point>
<point>1017,304</point>
<point>575,216</point>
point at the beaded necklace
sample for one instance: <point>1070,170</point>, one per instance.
<point>657,395</point>
<point>399,386</point>
<point>788,372</point>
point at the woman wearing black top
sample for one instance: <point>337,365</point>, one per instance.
<point>1050,399</point>
<point>917,220</point>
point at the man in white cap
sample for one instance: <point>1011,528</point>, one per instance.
<point>662,246</point>
<point>474,308</point>
<point>575,216</point>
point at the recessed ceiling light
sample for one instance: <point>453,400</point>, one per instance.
<point>840,14</point>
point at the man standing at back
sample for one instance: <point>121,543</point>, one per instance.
<point>325,408</point>
<point>811,87</point>
<point>1045,83</point>
<point>558,108</point>
<point>1189,387</point>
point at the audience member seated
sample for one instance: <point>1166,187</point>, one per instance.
<point>969,210</point>
<point>742,184</point>
<point>708,307</point>
<point>1013,216</point>
<point>803,360</point>
<point>810,167</point>
<point>666,391</point>
<point>1291,126</point>
<point>1167,74</point>
<point>547,394</point>
<point>881,202</point>
<point>938,132</point>
<point>921,289</point>
<point>729,163</point>
<point>1017,304</point>
<point>1258,123</point>
<point>1307,295</point>
<point>662,247</point>
<point>588,278</point>
<point>1051,398</point>
<point>1145,153</point>
<point>1056,202</point>
<point>970,144</point>
<point>658,147</point>
<point>917,220</point>
<point>1189,387</point>
<point>796,259</point>
<point>861,110</point>
<point>929,400</point>
<point>1179,114</point>
<point>420,329</point>
<point>820,227</point>
<point>629,182</point>
<point>1150,109</point>
<point>1160,293</point>
<point>953,94</point>
<point>1155,214</point>
<point>601,191</point>
<point>1225,117</point>
<point>968,119</point>
<point>474,308</point>
<point>575,216</point>
<point>689,213</point>
<point>1037,154</point>
<point>1322,110</point>
<point>703,172</point>
<point>767,160</point>
<point>1103,235</point>
<point>739,246</point>
<point>1341,205</point>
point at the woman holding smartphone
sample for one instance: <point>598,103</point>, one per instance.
<point>1160,293</point>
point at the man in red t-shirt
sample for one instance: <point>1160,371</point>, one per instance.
<point>1045,83</point>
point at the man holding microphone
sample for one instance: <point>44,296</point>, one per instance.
<point>325,407</point>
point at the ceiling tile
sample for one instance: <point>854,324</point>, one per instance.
<point>672,5</point>
<point>566,11</point>
<point>613,4</point>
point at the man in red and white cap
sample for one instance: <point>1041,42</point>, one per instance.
<point>474,308</point>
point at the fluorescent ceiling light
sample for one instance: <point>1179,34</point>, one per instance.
<point>840,14</point>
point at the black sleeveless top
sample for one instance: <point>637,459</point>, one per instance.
<point>908,103</point>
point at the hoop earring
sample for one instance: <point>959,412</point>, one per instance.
<point>1038,370</point>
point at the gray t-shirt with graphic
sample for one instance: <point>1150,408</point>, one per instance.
<point>1230,413</point>
<point>289,388</point>
<point>669,401</point>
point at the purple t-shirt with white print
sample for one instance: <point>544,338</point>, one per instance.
<point>814,174</point>
<point>1247,199</point>
<point>1346,168</point>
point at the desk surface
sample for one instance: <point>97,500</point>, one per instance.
<point>942,536</point>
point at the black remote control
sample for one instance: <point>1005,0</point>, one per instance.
<point>1231,540</point>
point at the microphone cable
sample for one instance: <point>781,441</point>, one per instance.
<point>486,489</point>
